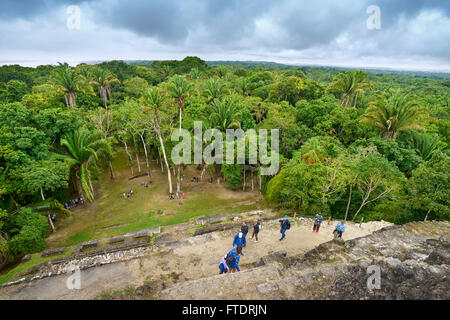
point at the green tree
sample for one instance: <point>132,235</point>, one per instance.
<point>393,112</point>
<point>14,91</point>
<point>232,174</point>
<point>154,103</point>
<point>429,188</point>
<point>349,85</point>
<point>83,147</point>
<point>135,87</point>
<point>69,81</point>
<point>103,80</point>
<point>375,177</point>
<point>224,114</point>
<point>214,89</point>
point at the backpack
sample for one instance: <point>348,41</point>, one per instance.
<point>230,258</point>
<point>288,225</point>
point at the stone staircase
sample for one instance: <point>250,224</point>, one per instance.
<point>414,260</point>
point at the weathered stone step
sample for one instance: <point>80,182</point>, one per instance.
<point>239,285</point>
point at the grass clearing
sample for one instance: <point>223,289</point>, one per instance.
<point>36,259</point>
<point>111,215</point>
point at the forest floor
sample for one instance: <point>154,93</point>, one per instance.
<point>111,214</point>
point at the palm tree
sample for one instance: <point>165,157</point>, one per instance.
<point>84,146</point>
<point>259,112</point>
<point>244,85</point>
<point>313,151</point>
<point>214,89</point>
<point>69,81</point>
<point>224,114</point>
<point>348,85</point>
<point>178,89</point>
<point>153,101</point>
<point>195,73</point>
<point>426,145</point>
<point>393,112</point>
<point>166,71</point>
<point>103,79</point>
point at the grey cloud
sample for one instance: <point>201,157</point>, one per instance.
<point>313,29</point>
<point>29,9</point>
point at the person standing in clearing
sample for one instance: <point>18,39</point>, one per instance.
<point>256,228</point>
<point>285,224</point>
<point>317,221</point>
<point>239,240</point>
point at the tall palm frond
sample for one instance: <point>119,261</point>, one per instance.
<point>214,89</point>
<point>103,80</point>
<point>425,145</point>
<point>69,81</point>
<point>224,114</point>
<point>393,112</point>
<point>84,146</point>
<point>348,85</point>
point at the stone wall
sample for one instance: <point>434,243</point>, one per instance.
<point>88,254</point>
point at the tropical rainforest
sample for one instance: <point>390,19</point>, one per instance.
<point>353,143</point>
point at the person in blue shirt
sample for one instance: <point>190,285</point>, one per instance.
<point>232,259</point>
<point>239,240</point>
<point>284,225</point>
<point>317,221</point>
<point>340,228</point>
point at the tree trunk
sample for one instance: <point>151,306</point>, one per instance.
<point>203,172</point>
<point>169,178</point>
<point>42,195</point>
<point>138,163</point>
<point>348,204</point>
<point>160,160</point>
<point>243,186</point>
<point>426,217</point>
<point>179,179</point>
<point>104,99</point>
<point>90,186</point>
<point>130,159</point>
<point>158,133</point>
<point>51,222</point>
<point>146,157</point>
<point>111,171</point>
<point>252,182</point>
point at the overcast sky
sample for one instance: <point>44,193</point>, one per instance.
<point>413,34</point>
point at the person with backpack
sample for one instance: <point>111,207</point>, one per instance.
<point>231,261</point>
<point>244,229</point>
<point>256,228</point>
<point>239,240</point>
<point>317,221</point>
<point>285,224</point>
<point>340,228</point>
